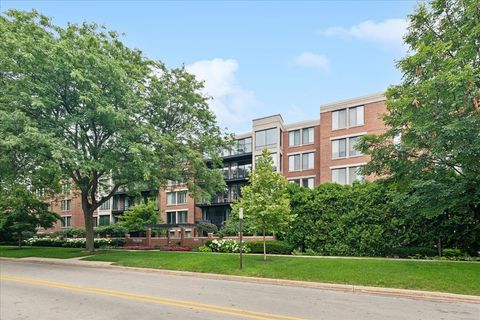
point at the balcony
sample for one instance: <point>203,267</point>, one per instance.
<point>120,208</point>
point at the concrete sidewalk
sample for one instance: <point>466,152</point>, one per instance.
<point>416,294</point>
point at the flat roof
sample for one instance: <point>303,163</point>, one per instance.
<point>375,97</point>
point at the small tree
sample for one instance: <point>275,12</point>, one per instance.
<point>21,212</point>
<point>265,201</point>
<point>136,218</point>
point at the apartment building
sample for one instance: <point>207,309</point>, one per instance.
<point>307,153</point>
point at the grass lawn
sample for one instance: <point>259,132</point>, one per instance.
<point>43,252</point>
<point>462,278</point>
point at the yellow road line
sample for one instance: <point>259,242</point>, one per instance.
<point>153,299</point>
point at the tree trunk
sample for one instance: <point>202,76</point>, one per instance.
<point>19,239</point>
<point>264,247</point>
<point>88,215</point>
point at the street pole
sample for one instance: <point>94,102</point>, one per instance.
<point>240,216</point>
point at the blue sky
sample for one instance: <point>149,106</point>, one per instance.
<point>259,58</point>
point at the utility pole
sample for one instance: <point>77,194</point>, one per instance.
<point>240,216</point>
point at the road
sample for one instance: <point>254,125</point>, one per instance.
<point>41,291</point>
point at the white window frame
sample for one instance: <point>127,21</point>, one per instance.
<point>301,142</point>
<point>105,206</point>
<point>301,155</point>
<point>66,188</point>
<point>347,172</point>
<point>175,202</point>
<point>347,145</point>
<point>176,214</point>
<point>64,206</point>
<point>63,222</point>
<point>335,113</point>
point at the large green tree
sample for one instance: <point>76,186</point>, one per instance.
<point>435,111</point>
<point>265,201</point>
<point>137,217</point>
<point>104,111</point>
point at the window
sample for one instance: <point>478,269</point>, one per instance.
<point>294,138</point>
<point>176,197</point>
<point>308,160</point>
<point>307,135</point>
<point>40,192</point>
<point>355,116</point>
<point>173,182</point>
<point>339,175</point>
<point>301,161</point>
<point>294,162</point>
<point>339,119</point>
<point>66,205</point>
<point>104,220</point>
<point>347,175</point>
<point>352,142</point>
<point>354,175</point>
<point>298,137</point>
<point>266,138</point>
<point>105,205</point>
<point>339,147</point>
<point>305,182</point>
<point>174,217</point>
<point>65,189</point>
<point>95,221</point>
<point>244,146</point>
<point>66,221</point>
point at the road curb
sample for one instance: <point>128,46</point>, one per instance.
<point>406,293</point>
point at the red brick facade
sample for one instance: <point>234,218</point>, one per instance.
<point>321,147</point>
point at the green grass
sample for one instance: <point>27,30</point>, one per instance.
<point>43,252</point>
<point>443,276</point>
<point>462,278</point>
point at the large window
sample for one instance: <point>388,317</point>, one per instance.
<point>266,138</point>
<point>347,175</point>
<point>66,221</point>
<point>65,188</point>
<point>176,197</point>
<point>243,146</point>
<point>66,205</point>
<point>301,136</point>
<point>355,117</point>
<point>339,119</point>
<point>104,220</point>
<point>174,217</point>
<point>303,161</point>
<point>304,182</point>
<point>340,147</point>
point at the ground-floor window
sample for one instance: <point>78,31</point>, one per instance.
<point>104,220</point>
<point>174,217</point>
<point>66,221</point>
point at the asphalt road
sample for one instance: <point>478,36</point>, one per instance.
<point>40,291</point>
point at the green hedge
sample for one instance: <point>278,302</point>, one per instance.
<point>273,247</point>
<point>74,243</point>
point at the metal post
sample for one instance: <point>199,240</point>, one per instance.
<point>240,216</point>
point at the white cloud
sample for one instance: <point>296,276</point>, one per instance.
<point>232,104</point>
<point>312,60</point>
<point>388,32</point>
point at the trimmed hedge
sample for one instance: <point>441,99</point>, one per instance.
<point>273,247</point>
<point>74,243</point>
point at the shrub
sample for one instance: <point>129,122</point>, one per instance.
<point>113,230</point>
<point>74,242</point>
<point>409,252</point>
<point>228,246</point>
<point>206,227</point>
<point>455,254</point>
<point>273,247</point>
<point>204,249</point>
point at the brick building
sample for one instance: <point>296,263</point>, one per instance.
<point>307,153</point>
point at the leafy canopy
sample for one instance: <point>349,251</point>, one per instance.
<point>436,111</point>
<point>106,115</point>
<point>137,217</point>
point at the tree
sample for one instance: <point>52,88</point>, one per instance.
<point>105,112</point>
<point>137,217</point>
<point>436,112</point>
<point>21,213</point>
<point>265,201</point>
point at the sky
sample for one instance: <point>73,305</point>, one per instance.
<point>258,58</point>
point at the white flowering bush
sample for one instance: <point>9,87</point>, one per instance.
<point>228,246</point>
<point>74,242</point>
